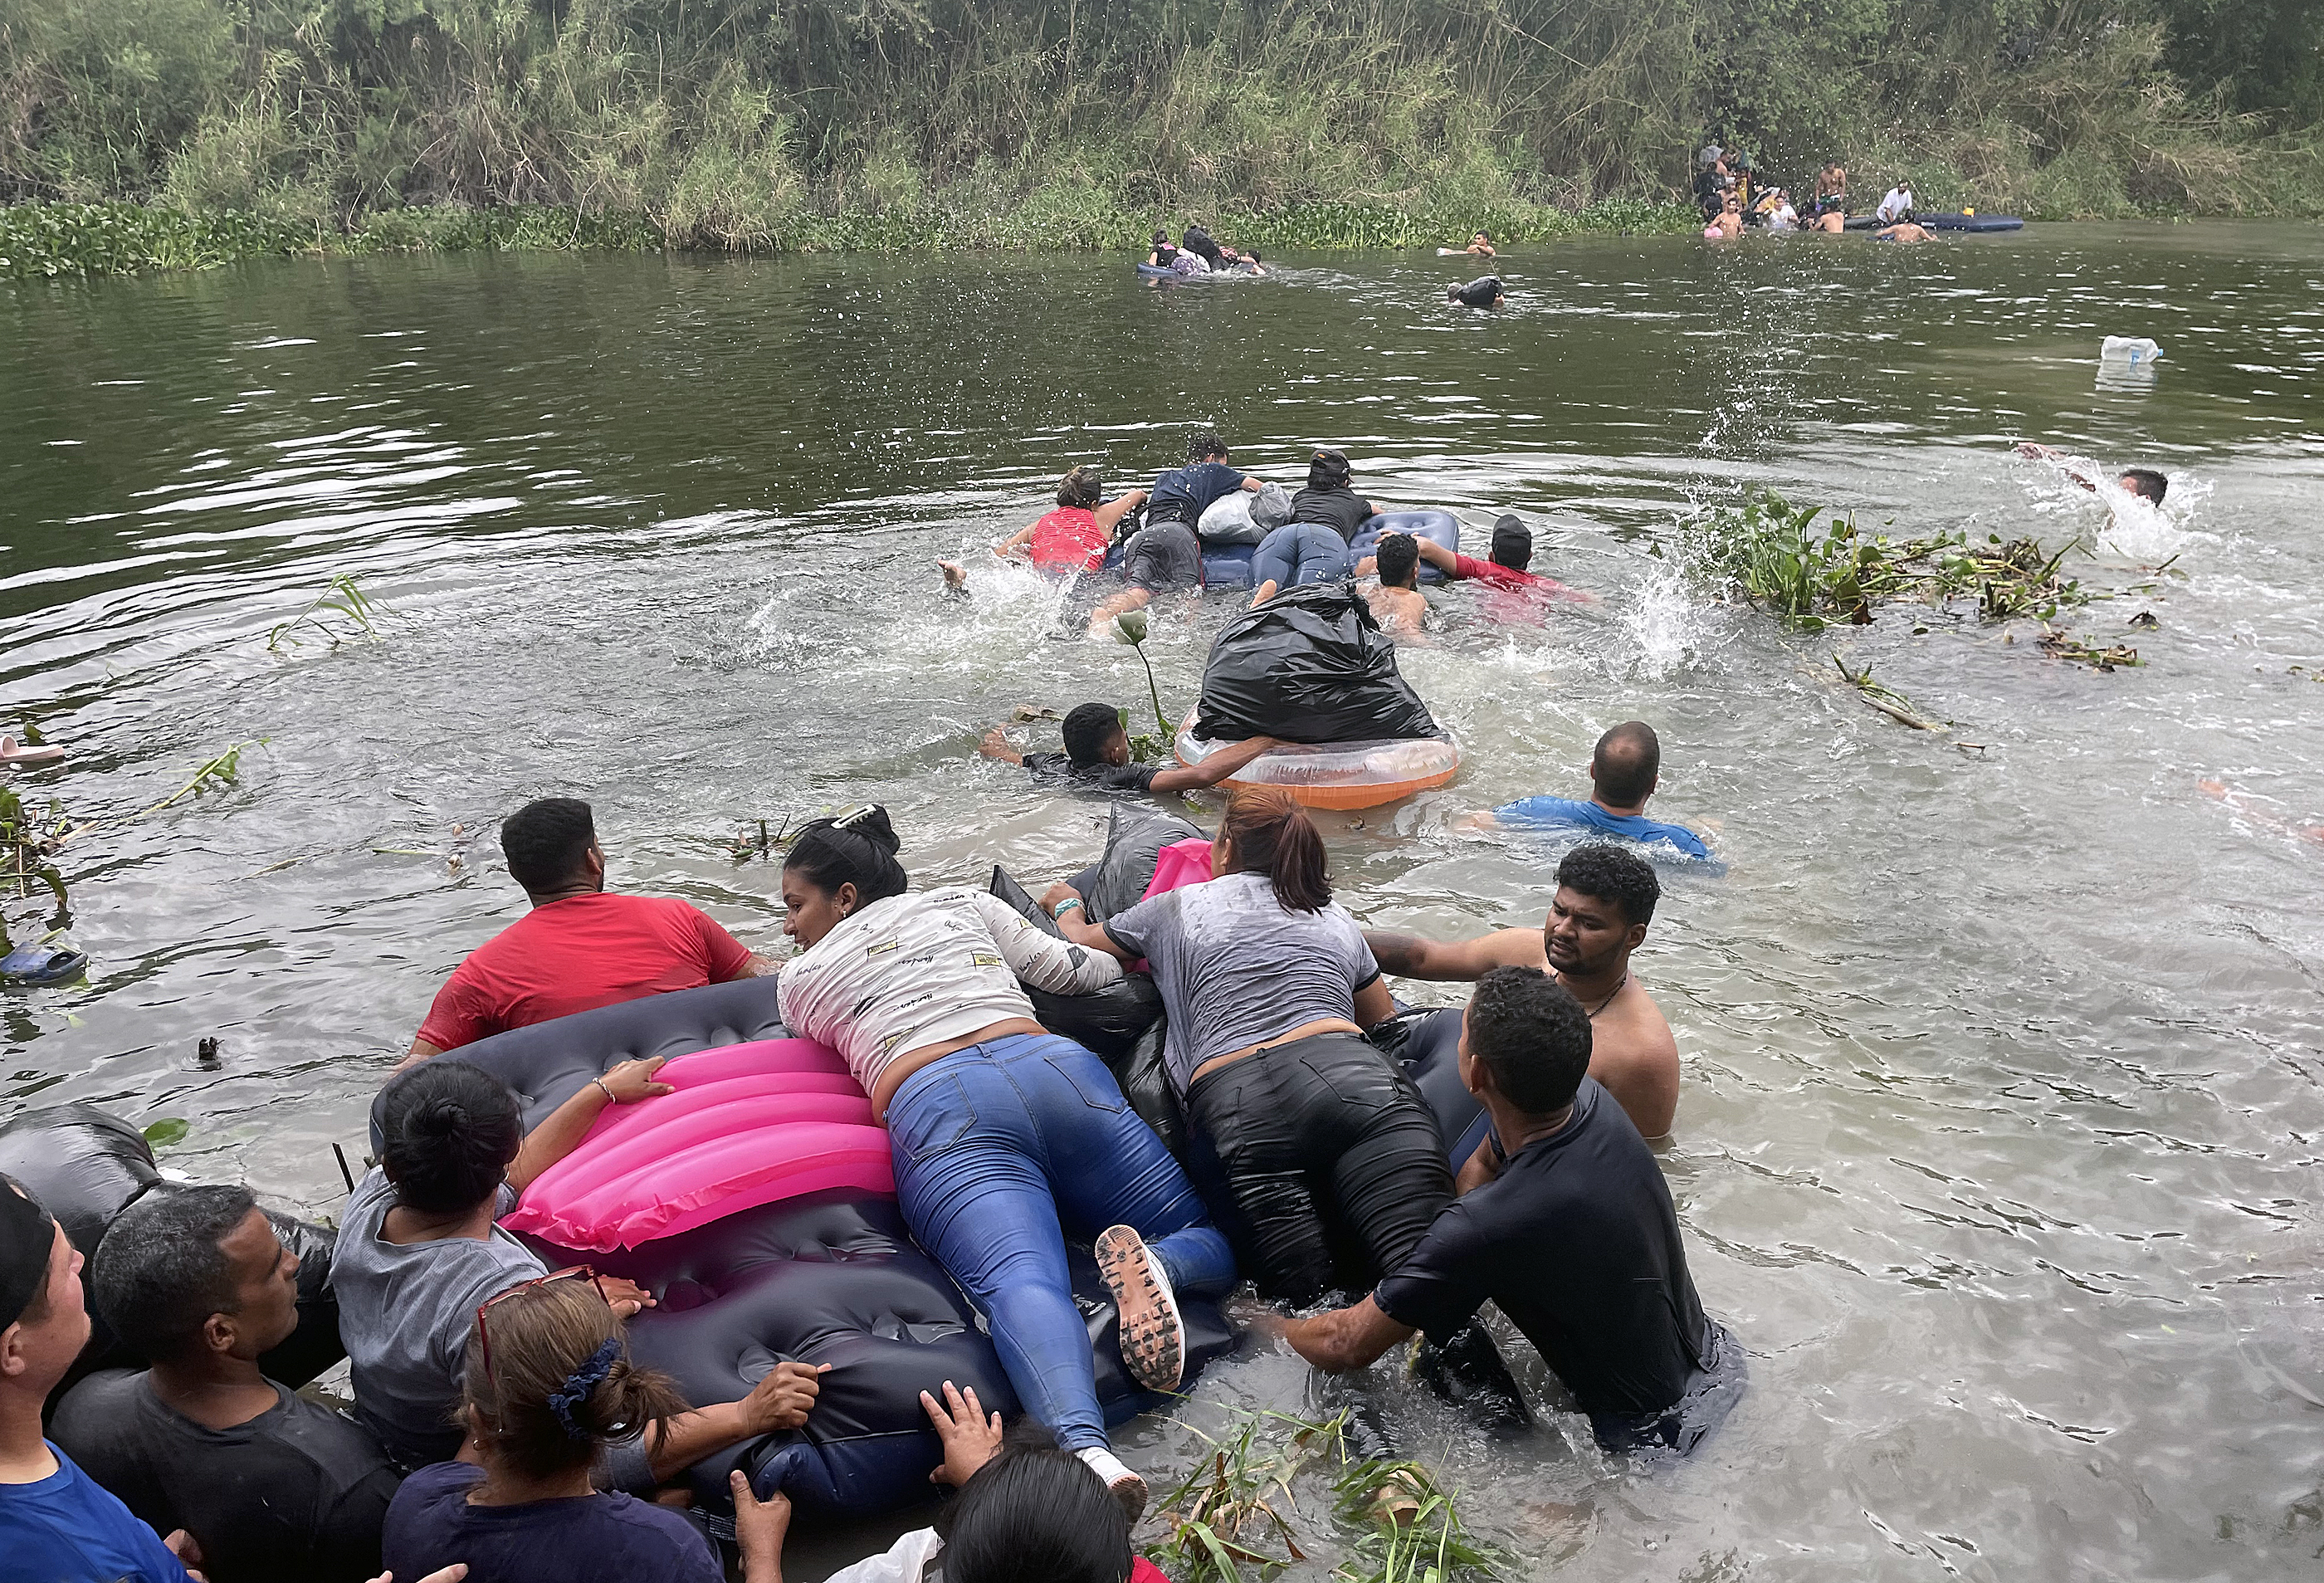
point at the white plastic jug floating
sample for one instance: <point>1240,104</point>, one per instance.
<point>2134,350</point>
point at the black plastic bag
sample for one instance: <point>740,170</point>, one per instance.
<point>1479,293</point>
<point>1310,665</point>
<point>1196,240</point>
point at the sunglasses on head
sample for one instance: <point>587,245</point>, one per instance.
<point>483,1331</point>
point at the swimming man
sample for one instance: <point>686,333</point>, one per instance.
<point>1097,757</point>
<point>1624,768</point>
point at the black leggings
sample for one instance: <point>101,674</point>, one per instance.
<point>1327,1116</point>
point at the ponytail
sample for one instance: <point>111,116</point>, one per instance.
<point>1273,836</point>
<point>857,848</point>
<point>1081,487</point>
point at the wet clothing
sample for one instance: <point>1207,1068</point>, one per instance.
<point>1578,1243</point>
<point>1163,556</point>
<point>404,1313</point>
<point>603,1538</point>
<point>67,1528</point>
<point>1895,205</point>
<point>1550,813</point>
<point>1298,553</point>
<point>576,955</point>
<point>1068,540</point>
<point>1005,1148</point>
<point>1235,966</point>
<point>295,1494</point>
<point>1183,494</point>
<point>1343,511</point>
<point>1328,1117</point>
<point>1190,264</point>
<point>1101,777</point>
<point>909,971</point>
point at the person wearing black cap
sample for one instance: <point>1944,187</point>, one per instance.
<point>57,1524</point>
<point>1511,553</point>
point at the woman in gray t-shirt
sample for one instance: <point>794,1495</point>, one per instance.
<point>1269,985</point>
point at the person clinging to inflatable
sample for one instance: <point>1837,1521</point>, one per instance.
<point>580,947</point>
<point>1625,769</point>
<point>1565,1224</point>
<point>1506,569</point>
<point>1397,604</point>
<point>1312,546</point>
<point>1005,1136</point>
<point>1165,555</point>
<point>272,1488</point>
<point>419,1248</point>
<point>1072,538</point>
<point>1484,292</point>
<point>549,1389</point>
<point>1096,758</point>
<point>1605,899</point>
<point>1269,987</point>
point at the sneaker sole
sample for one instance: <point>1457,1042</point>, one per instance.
<point>1153,1336</point>
<point>1129,1493</point>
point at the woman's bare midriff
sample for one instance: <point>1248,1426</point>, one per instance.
<point>912,1060</point>
<point>1305,1031</point>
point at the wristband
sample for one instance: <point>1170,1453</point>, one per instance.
<point>608,1093</point>
<point>1065,906</point>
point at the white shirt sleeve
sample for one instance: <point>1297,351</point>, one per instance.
<point>1039,959</point>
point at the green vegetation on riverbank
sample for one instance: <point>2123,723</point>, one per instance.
<point>243,127</point>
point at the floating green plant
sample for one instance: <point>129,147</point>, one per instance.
<point>342,599</point>
<point>225,770</point>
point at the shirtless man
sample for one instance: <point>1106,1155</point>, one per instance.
<point>1605,898</point>
<point>1397,604</point>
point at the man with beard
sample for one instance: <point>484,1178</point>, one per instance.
<point>1605,899</point>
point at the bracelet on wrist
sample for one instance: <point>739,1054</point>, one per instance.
<point>608,1093</point>
<point>1065,906</point>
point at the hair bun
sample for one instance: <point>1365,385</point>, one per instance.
<point>441,1118</point>
<point>870,822</point>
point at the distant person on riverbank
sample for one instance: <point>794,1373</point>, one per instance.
<point>1729,222</point>
<point>1897,204</point>
<point>1564,1223</point>
<point>1072,538</point>
<point>1096,758</point>
<point>1605,899</point>
<point>1624,768</point>
<point>1511,554</point>
<point>1776,211</point>
<point>273,1489</point>
<point>1829,210</point>
<point>1165,555</point>
<point>580,947</point>
<point>2144,482</point>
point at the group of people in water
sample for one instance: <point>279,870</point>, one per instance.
<point>1731,196</point>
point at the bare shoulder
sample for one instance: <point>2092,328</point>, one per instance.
<point>1636,1057</point>
<point>1514,947</point>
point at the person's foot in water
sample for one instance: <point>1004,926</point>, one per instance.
<point>955,576</point>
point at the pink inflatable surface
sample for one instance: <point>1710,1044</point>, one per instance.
<point>749,1125</point>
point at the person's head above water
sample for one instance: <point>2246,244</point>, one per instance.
<point>551,847</point>
<point>548,1380</point>
<point>1082,487</point>
<point>1094,736</point>
<point>1606,897</point>
<point>194,1274</point>
<point>1397,560</point>
<point>43,1323</point>
<point>1512,543</point>
<point>1266,832</point>
<point>1530,1036</point>
<point>1035,1513</point>
<point>836,867</point>
<point>1625,765</point>
<point>2146,483</point>
<point>448,1132</point>
<point>1203,444</point>
<point>1328,468</point>
<point>1481,237</point>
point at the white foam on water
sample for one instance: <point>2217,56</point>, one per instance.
<point>1663,622</point>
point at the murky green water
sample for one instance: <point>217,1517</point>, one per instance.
<point>1998,1138</point>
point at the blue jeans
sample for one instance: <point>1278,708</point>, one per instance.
<point>1300,553</point>
<point>1001,1150</point>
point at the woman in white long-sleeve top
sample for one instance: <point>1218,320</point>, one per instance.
<point>1003,1131</point>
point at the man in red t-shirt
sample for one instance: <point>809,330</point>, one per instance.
<point>580,947</point>
<point>1512,552</point>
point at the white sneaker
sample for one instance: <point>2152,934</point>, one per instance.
<point>1127,1488</point>
<point>1153,1336</point>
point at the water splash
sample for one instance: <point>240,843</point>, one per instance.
<point>1664,623</point>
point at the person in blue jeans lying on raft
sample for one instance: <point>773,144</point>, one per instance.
<point>1564,1223</point>
<point>1624,771</point>
<point>1004,1135</point>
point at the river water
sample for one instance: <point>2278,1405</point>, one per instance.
<point>1999,1128</point>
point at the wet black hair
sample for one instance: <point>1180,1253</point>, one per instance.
<point>1532,1035</point>
<point>1203,444</point>
<point>1328,469</point>
<point>2147,482</point>
<point>1612,875</point>
<point>1396,558</point>
<point>448,1130</point>
<point>1087,730</point>
<point>1625,764</point>
<point>857,848</point>
<point>159,1274</point>
<point>546,843</point>
<point>1035,1513</point>
<point>1162,239</point>
<point>1512,543</point>
<point>1081,487</point>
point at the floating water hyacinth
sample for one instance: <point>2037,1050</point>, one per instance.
<point>1131,627</point>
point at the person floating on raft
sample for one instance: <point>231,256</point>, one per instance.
<point>1165,555</point>
<point>1074,538</point>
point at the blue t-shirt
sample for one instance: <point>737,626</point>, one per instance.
<point>1565,810</point>
<point>67,1528</point>
<point>1187,492</point>
<point>599,1538</point>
